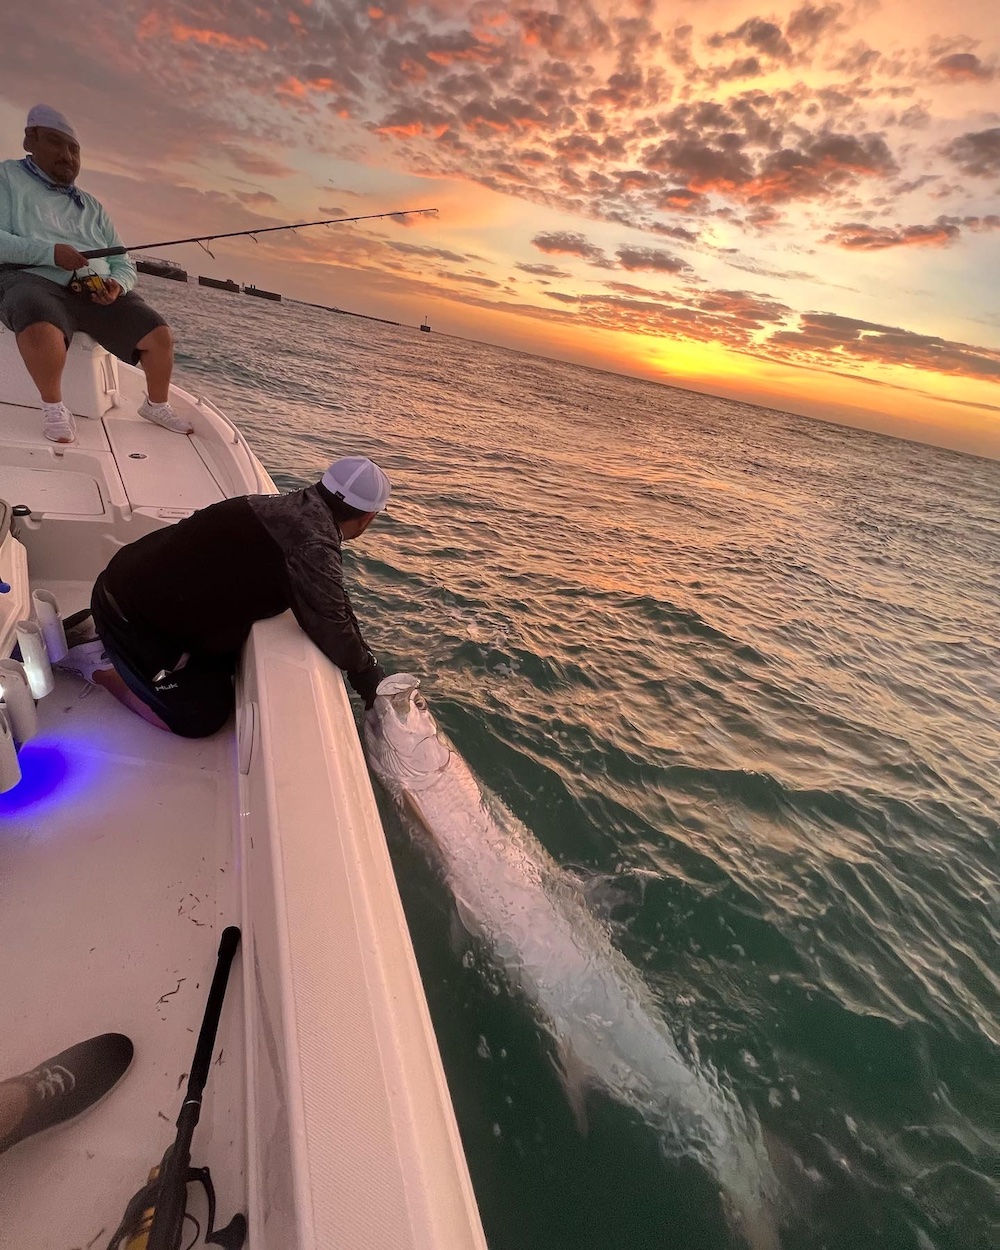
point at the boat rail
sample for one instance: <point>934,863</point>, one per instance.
<point>265,485</point>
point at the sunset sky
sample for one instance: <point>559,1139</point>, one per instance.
<point>793,204</point>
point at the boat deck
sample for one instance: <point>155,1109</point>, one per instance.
<point>117,870</point>
<point>116,879</point>
<point>125,851</point>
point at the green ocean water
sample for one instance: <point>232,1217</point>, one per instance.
<point>739,674</point>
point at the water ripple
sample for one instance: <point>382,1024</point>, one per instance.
<point>738,672</point>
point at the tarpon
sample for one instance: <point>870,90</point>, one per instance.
<point>532,921</point>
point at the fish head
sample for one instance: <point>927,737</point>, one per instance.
<point>402,740</point>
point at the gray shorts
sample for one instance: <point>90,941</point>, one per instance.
<point>27,298</point>
<point>191,693</point>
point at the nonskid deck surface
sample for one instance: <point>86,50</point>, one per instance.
<point>116,858</point>
<point>152,467</point>
<point>116,880</point>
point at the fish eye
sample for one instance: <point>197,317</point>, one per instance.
<point>419,702</point>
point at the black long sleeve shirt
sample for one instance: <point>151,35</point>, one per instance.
<point>204,581</point>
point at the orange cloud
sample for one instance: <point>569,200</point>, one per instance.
<point>482,53</point>
<point>848,340</point>
<point>828,162</point>
<point>216,38</point>
<point>681,199</point>
<point>410,129</point>
<point>859,237</point>
<point>152,25</point>
<point>299,89</point>
<point>402,130</point>
<point>412,70</point>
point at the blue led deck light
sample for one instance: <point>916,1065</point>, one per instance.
<point>43,771</point>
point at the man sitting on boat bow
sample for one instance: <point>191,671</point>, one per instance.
<point>173,609</point>
<point>46,221</point>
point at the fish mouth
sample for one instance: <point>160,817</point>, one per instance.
<point>402,738</point>
<point>397,685</point>
<point>398,692</point>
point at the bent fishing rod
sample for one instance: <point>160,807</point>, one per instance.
<point>154,1218</point>
<point>203,239</point>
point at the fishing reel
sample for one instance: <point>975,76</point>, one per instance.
<point>137,1222</point>
<point>88,284</point>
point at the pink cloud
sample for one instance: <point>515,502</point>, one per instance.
<point>567,243</point>
<point>652,259</point>
<point>846,338</point>
<point>976,154</point>
<point>964,67</point>
<point>254,162</point>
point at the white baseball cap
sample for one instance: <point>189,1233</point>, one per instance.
<point>359,483</point>
<point>51,119</point>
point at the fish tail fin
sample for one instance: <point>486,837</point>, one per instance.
<point>754,1222</point>
<point>573,1078</point>
<point>753,1197</point>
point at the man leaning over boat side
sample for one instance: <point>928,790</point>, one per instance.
<point>173,609</point>
<point>46,222</point>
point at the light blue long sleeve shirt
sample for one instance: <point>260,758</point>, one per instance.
<point>33,219</point>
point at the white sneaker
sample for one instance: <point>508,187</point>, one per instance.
<point>59,426</point>
<point>85,660</point>
<point>163,414</point>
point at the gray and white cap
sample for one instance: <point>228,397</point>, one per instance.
<point>359,482</point>
<point>45,115</point>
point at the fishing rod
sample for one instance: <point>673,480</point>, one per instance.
<point>154,1218</point>
<point>202,239</point>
